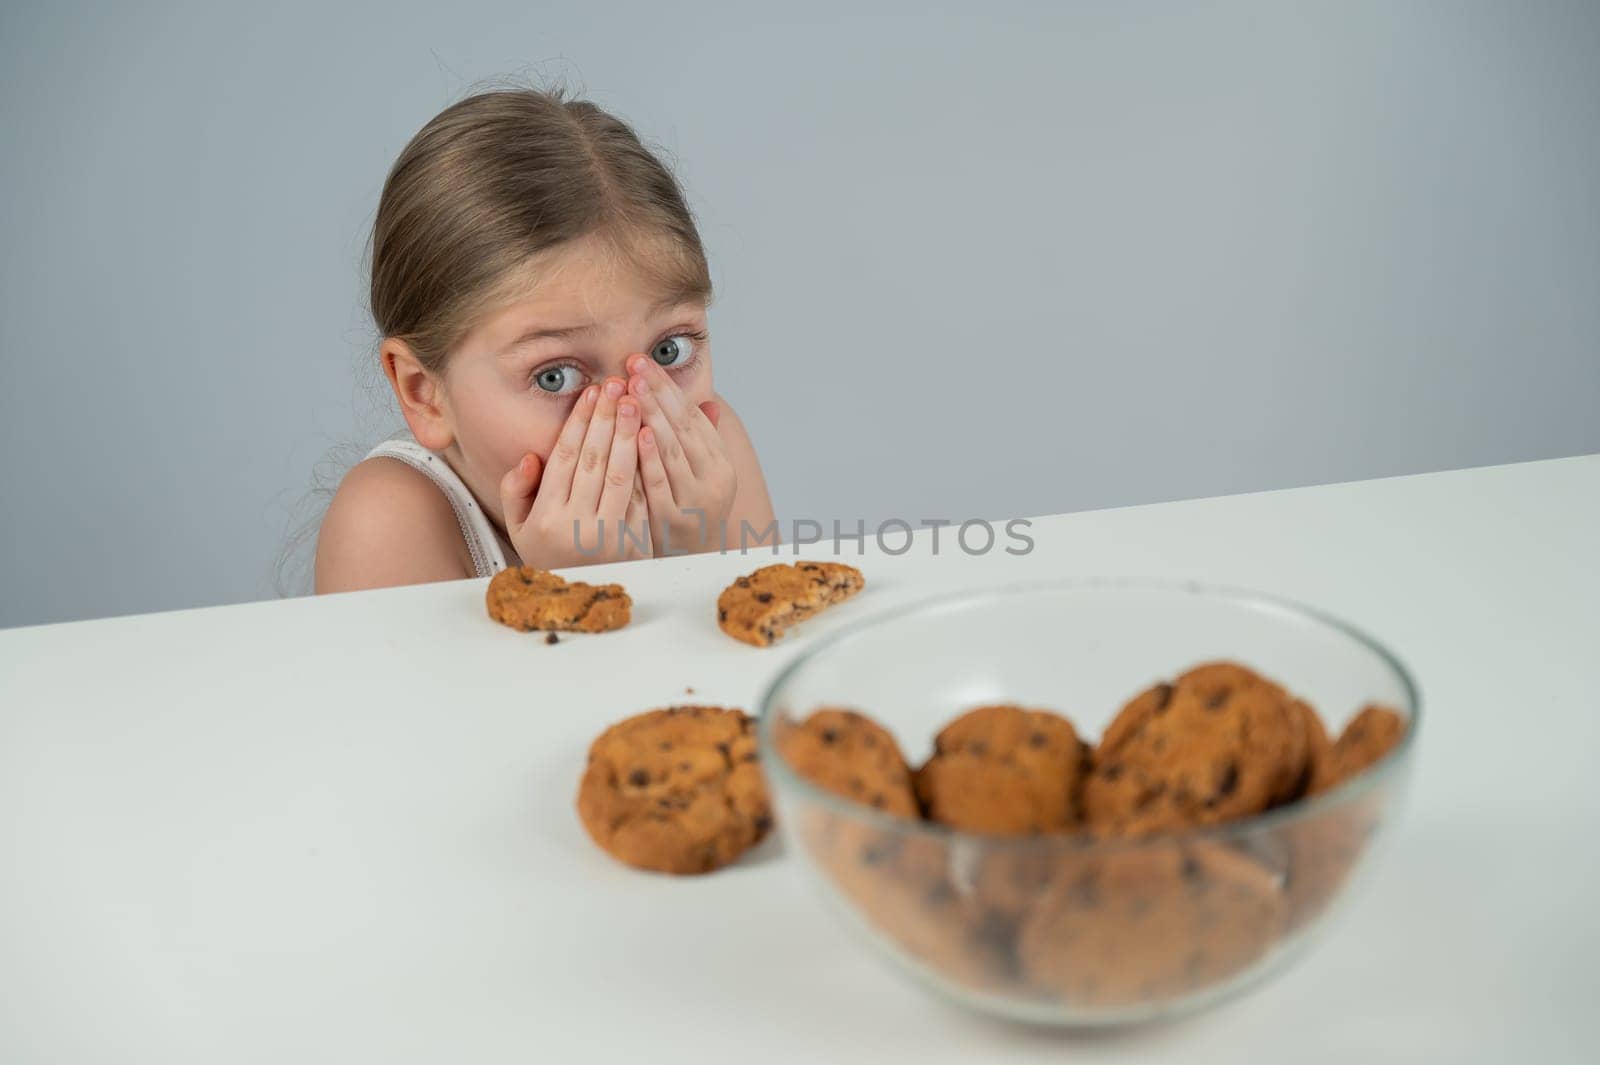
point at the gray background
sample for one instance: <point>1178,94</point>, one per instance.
<point>968,265</point>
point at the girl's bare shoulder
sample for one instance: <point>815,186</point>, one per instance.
<point>388,524</point>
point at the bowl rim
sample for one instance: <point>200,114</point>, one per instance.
<point>1344,793</point>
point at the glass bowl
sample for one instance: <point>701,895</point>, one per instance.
<point>1074,929</point>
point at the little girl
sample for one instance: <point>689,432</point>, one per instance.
<point>541,292</point>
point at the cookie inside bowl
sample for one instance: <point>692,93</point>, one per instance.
<point>1192,842</point>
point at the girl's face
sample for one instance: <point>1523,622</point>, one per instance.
<point>513,380</point>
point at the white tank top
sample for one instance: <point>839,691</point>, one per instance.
<point>483,540</point>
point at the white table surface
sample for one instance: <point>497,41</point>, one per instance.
<point>342,829</point>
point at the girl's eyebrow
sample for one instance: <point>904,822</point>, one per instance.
<point>540,334</point>
<point>537,333</point>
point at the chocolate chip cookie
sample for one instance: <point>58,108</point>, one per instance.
<point>1327,845</point>
<point>676,790</point>
<point>1318,750</point>
<point>898,880</point>
<point>526,599</point>
<point>1218,743</point>
<point>758,607</point>
<point>1141,925</point>
<point>901,885</point>
<point>1369,736</point>
<point>849,754</point>
<point>1005,769</point>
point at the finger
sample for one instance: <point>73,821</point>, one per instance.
<point>590,478</point>
<point>563,458</point>
<point>713,412</point>
<point>657,487</point>
<point>670,448</point>
<point>517,489</point>
<point>688,423</point>
<point>622,463</point>
<point>639,543</point>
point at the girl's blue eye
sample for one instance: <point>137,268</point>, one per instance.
<point>672,351</point>
<point>553,378</point>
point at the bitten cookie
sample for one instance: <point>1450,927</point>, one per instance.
<point>1146,924</point>
<point>851,755</point>
<point>758,607</point>
<point>676,790</point>
<point>1369,736</point>
<point>1218,743</point>
<point>526,598</point>
<point>1004,769</point>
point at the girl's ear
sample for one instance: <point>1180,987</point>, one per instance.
<point>419,393</point>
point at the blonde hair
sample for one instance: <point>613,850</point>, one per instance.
<point>485,187</point>
<point>491,182</point>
